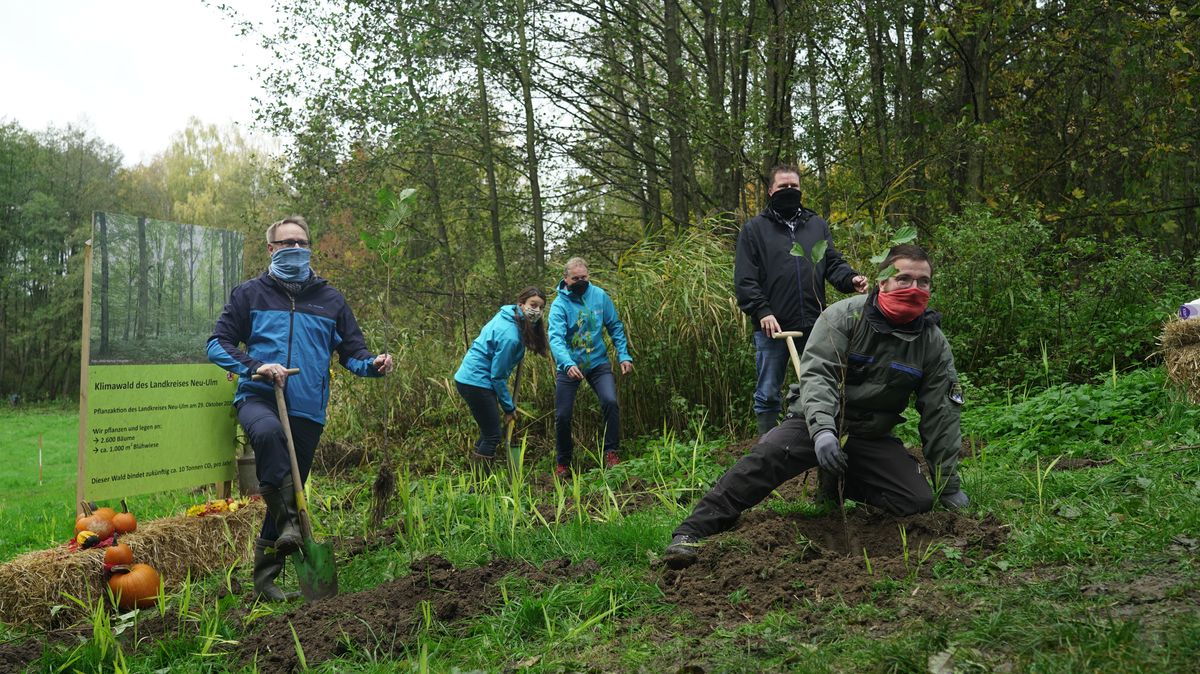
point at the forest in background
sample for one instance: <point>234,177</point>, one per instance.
<point>1045,152</point>
<point>157,288</point>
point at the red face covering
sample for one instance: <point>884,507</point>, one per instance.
<point>904,305</point>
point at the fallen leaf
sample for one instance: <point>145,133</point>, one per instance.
<point>942,663</point>
<point>1068,511</point>
<point>1185,541</point>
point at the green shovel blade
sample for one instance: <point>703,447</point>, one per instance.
<point>315,569</point>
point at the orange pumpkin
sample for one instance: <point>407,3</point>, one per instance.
<point>89,521</point>
<point>118,554</point>
<point>135,585</point>
<point>105,512</point>
<point>124,522</point>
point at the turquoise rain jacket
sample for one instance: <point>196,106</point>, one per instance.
<point>493,356</point>
<point>575,331</point>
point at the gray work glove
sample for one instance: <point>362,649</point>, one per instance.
<point>953,497</point>
<point>829,452</point>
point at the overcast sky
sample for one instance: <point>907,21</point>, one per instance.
<point>131,71</point>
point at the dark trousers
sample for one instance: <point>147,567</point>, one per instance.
<point>880,472</point>
<point>601,379</point>
<point>773,362</point>
<point>485,408</point>
<point>260,418</point>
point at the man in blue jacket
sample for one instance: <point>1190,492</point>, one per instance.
<point>286,318</point>
<point>578,315</point>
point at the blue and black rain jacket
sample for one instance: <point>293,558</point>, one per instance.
<point>263,323</point>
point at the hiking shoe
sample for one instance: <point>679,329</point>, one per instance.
<point>561,471</point>
<point>611,459</point>
<point>682,552</point>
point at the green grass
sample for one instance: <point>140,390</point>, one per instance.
<point>41,514</point>
<point>1099,572</point>
<point>36,509</point>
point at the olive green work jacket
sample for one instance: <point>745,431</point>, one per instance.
<point>881,367</point>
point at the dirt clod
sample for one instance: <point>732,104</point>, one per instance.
<point>781,561</point>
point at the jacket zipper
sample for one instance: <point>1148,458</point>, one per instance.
<point>291,325</point>
<point>799,279</point>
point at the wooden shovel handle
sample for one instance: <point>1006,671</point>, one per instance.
<point>789,335</point>
<point>291,371</point>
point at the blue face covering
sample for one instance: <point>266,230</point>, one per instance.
<point>291,264</point>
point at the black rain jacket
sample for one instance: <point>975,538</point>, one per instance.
<point>768,279</point>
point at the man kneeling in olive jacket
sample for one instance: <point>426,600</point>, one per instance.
<point>865,359</point>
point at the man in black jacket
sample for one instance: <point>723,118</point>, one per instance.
<point>781,291</point>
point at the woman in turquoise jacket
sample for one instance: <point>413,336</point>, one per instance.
<point>482,378</point>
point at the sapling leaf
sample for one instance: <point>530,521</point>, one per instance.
<point>818,251</point>
<point>906,234</point>
<point>797,250</point>
<point>887,273</point>
<point>878,259</point>
<point>385,198</point>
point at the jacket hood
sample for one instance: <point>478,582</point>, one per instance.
<point>509,312</point>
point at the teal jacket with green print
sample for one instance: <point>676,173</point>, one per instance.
<point>882,367</point>
<point>576,329</point>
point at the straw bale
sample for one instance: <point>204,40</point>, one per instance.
<point>1177,333</point>
<point>34,583</point>
<point>1183,370</point>
<point>1181,351</point>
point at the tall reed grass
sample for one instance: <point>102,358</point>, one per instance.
<point>692,350</point>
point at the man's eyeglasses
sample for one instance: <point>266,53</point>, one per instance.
<point>906,281</point>
<point>288,243</point>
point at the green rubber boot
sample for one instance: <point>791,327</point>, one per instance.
<point>268,564</point>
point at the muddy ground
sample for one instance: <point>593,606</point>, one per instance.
<point>768,561</point>
<point>773,561</point>
<point>382,620</point>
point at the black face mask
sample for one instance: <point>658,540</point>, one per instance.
<point>578,287</point>
<point>785,202</point>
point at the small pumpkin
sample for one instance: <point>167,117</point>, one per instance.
<point>118,554</point>
<point>86,539</point>
<point>124,522</point>
<point>135,585</point>
<point>89,521</point>
<point>105,512</point>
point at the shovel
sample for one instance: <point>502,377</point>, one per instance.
<point>789,335</point>
<point>314,561</point>
<point>508,433</point>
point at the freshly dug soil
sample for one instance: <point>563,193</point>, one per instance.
<point>382,619</point>
<point>773,561</point>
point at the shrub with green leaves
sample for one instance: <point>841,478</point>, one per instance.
<point>1021,308</point>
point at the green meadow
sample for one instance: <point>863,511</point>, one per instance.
<point>1088,496</point>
